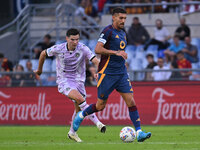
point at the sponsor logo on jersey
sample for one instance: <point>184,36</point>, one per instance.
<point>117,36</point>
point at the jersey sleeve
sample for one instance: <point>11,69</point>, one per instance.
<point>104,36</point>
<point>52,51</point>
<point>88,53</point>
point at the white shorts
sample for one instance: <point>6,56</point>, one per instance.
<point>65,88</point>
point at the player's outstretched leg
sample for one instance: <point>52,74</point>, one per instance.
<point>72,135</point>
<point>93,118</point>
<point>134,116</point>
<point>81,114</point>
<point>101,127</point>
<point>77,120</point>
<point>142,136</point>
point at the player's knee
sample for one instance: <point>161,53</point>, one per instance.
<point>79,99</point>
<point>130,102</point>
<point>100,107</point>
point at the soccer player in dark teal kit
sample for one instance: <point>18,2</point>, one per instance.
<point>112,73</point>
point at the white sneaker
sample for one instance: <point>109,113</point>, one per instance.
<point>101,127</point>
<point>74,136</point>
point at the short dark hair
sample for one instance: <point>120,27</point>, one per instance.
<point>48,36</point>
<point>159,20</point>
<point>135,18</point>
<point>180,53</point>
<point>1,55</point>
<point>176,36</point>
<point>118,10</point>
<point>149,55</point>
<point>72,31</point>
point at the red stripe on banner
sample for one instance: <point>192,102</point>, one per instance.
<point>158,103</point>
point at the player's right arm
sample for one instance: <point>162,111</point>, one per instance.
<point>101,50</point>
<point>41,62</point>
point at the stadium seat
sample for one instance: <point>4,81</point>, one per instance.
<point>23,63</point>
<point>53,65</point>
<point>47,65</point>
<point>34,63</point>
<point>46,68</point>
<point>92,44</point>
<point>84,41</point>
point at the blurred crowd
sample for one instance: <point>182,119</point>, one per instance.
<point>96,8</point>
<point>178,53</point>
<point>160,52</point>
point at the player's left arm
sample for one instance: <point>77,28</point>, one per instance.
<point>95,61</point>
<point>101,50</point>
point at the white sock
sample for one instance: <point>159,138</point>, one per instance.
<point>71,128</point>
<point>92,117</point>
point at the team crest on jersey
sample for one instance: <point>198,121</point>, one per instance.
<point>67,89</point>
<point>122,44</point>
<point>117,36</point>
<point>77,55</point>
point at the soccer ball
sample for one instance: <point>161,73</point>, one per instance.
<point>127,134</point>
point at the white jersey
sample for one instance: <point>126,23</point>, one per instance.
<point>70,65</point>
<point>161,34</point>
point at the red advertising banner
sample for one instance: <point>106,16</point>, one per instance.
<point>159,103</point>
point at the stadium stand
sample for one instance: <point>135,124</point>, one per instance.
<point>34,21</point>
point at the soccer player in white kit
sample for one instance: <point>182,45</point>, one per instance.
<point>71,71</point>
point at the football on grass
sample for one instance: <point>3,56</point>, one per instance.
<point>127,134</point>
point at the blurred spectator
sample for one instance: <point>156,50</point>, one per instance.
<point>151,65</point>
<point>81,11</point>
<point>90,10</point>
<point>4,79</point>
<point>30,77</point>
<point>161,36</point>
<point>159,8</point>
<point>147,9</point>
<point>183,63</point>
<point>5,63</point>
<point>151,62</point>
<point>174,48</point>
<point>17,79</point>
<point>43,45</point>
<point>101,4</point>
<point>173,8</point>
<point>90,72</point>
<point>114,2</point>
<point>183,30</point>
<point>190,8</point>
<point>176,75</point>
<point>81,8</point>
<point>137,34</point>
<point>190,51</point>
<point>91,81</point>
<point>161,75</point>
<point>134,9</point>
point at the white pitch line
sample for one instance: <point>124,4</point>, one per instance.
<point>95,143</point>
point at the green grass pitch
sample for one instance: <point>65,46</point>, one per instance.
<point>55,137</point>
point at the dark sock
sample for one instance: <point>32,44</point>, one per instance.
<point>134,116</point>
<point>89,110</point>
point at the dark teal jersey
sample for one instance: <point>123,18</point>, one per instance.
<point>112,39</point>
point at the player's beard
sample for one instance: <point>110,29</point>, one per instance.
<point>121,25</point>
